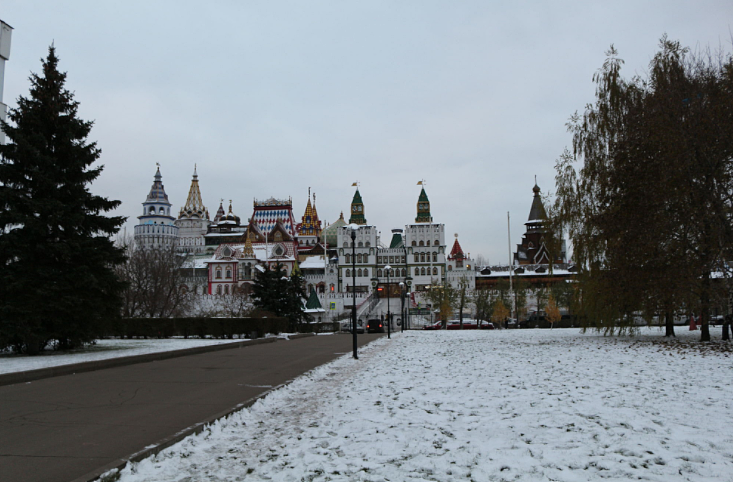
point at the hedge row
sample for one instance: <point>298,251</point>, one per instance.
<point>197,327</point>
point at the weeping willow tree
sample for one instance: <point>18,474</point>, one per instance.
<point>649,209</point>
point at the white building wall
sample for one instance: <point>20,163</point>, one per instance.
<point>191,233</point>
<point>365,250</point>
<point>6,33</point>
<point>427,241</point>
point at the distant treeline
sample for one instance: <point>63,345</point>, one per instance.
<point>203,327</point>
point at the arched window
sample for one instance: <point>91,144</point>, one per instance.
<point>218,289</point>
<point>435,271</point>
<point>435,257</point>
<point>367,244</point>
<point>422,271</point>
<point>436,243</point>
<point>361,245</point>
<point>358,258</point>
<point>348,273</point>
<point>366,273</point>
<point>162,211</point>
<point>417,257</point>
<point>414,243</point>
<point>226,289</point>
<point>229,273</point>
<point>530,245</point>
<point>450,268</point>
<point>417,271</point>
<point>422,243</point>
<point>358,273</point>
<point>348,258</point>
<point>379,273</point>
<point>404,273</point>
<point>218,273</point>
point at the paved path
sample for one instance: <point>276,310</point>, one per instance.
<point>62,428</point>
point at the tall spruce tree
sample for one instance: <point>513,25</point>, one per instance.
<point>56,256</point>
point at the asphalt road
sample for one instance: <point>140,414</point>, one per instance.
<point>64,428</point>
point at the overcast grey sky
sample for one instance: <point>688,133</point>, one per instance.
<point>272,97</point>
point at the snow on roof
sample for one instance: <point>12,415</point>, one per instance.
<point>198,263</point>
<point>503,271</point>
<point>313,262</point>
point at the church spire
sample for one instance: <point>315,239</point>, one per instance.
<point>423,207</point>
<point>310,225</point>
<point>157,191</point>
<point>357,209</point>
<point>194,207</point>
<point>537,212</point>
<point>220,212</point>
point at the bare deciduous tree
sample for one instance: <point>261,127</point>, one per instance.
<point>155,287</point>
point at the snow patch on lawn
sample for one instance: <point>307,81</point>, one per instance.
<point>102,350</point>
<point>517,405</point>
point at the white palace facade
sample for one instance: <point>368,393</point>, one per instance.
<point>224,254</point>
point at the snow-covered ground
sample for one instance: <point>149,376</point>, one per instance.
<point>102,350</point>
<point>529,405</point>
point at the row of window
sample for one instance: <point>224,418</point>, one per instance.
<point>391,259</point>
<point>162,212</point>
<point>226,289</point>
<point>360,258</point>
<point>423,243</point>
<point>425,272</point>
<point>219,271</point>
<point>358,245</point>
<point>425,257</point>
<point>155,228</point>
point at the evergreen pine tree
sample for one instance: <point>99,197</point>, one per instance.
<point>274,291</point>
<point>56,257</point>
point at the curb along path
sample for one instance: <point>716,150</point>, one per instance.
<point>74,427</point>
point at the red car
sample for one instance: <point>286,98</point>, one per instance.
<point>469,324</point>
<point>438,325</point>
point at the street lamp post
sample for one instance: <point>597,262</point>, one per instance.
<point>402,299</point>
<point>353,287</point>
<point>387,269</point>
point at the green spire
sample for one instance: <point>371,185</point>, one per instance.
<point>313,303</point>
<point>423,208</point>
<point>357,210</point>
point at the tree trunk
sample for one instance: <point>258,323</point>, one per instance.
<point>726,324</point>
<point>669,324</point>
<point>705,308</point>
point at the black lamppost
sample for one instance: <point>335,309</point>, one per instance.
<point>353,286</point>
<point>402,299</point>
<point>403,292</point>
<point>387,269</point>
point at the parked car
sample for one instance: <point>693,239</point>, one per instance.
<point>346,326</point>
<point>375,325</point>
<point>487,325</point>
<point>438,325</point>
<point>468,324</point>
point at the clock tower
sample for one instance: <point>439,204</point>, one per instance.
<point>423,209</point>
<point>357,210</point>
